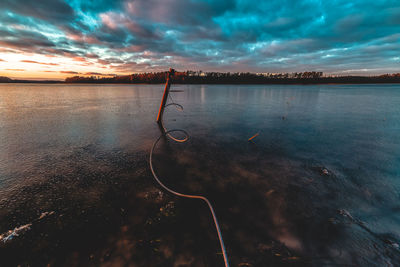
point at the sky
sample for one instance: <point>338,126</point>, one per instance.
<point>56,39</point>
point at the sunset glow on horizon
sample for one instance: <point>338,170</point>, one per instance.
<point>37,66</point>
<point>55,39</point>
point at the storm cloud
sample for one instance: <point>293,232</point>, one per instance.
<point>262,36</point>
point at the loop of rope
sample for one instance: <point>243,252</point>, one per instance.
<point>168,133</point>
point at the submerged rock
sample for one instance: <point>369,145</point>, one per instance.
<point>45,214</point>
<point>9,235</point>
<point>345,213</point>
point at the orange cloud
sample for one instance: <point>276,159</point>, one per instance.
<point>41,63</point>
<point>100,74</point>
<point>92,55</point>
<point>80,59</point>
<point>69,72</point>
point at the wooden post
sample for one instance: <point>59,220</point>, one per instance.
<point>165,96</point>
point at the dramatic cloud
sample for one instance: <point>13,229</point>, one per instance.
<point>126,36</point>
<point>49,10</point>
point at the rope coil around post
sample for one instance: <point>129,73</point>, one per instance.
<point>168,133</point>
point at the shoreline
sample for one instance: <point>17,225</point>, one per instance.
<point>276,83</point>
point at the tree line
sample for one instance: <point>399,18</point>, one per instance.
<point>199,77</point>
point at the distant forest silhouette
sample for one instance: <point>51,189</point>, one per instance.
<point>199,77</point>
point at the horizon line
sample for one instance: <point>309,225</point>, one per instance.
<point>327,75</point>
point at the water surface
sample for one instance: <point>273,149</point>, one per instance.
<point>319,186</point>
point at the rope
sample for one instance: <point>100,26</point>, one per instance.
<point>168,133</point>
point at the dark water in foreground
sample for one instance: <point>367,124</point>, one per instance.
<point>319,186</point>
